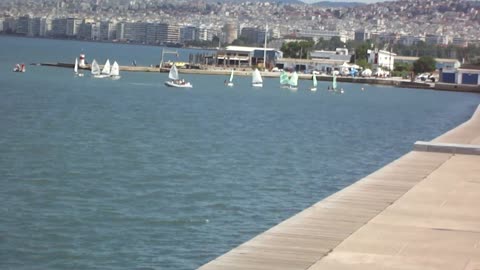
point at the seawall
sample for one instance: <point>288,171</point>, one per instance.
<point>418,212</point>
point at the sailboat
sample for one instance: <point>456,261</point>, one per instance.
<point>284,79</point>
<point>293,82</point>
<point>95,69</point>
<point>230,82</point>
<point>106,70</point>
<point>334,85</point>
<point>75,69</point>
<point>115,71</point>
<point>314,83</point>
<point>175,80</point>
<point>257,78</point>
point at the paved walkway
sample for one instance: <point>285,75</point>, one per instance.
<point>422,211</point>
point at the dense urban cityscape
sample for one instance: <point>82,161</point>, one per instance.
<point>159,22</point>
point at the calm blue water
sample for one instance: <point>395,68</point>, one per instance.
<point>129,174</point>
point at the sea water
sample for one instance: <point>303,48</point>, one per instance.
<point>130,174</point>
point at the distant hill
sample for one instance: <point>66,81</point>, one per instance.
<point>337,4</point>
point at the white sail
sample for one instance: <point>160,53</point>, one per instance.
<point>314,81</point>
<point>231,76</point>
<point>106,68</point>
<point>173,74</point>
<point>293,82</point>
<point>95,68</point>
<point>115,71</point>
<point>75,68</point>
<point>256,77</point>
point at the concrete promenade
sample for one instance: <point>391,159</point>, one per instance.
<point>422,211</point>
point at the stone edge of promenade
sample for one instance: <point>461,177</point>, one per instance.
<point>310,239</point>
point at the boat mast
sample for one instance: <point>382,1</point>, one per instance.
<point>265,48</point>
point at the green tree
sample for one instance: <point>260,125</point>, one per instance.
<point>424,64</point>
<point>364,64</point>
<point>297,49</point>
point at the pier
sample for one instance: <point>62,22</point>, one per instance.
<point>418,212</point>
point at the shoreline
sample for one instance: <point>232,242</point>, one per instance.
<point>224,71</point>
<point>404,215</point>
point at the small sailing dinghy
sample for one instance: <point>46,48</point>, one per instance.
<point>95,68</point>
<point>19,68</point>
<point>284,79</point>
<point>257,78</point>
<point>314,83</point>
<point>175,80</point>
<point>75,69</point>
<point>334,85</point>
<point>293,82</point>
<point>230,81</point>
<point>115,71</point>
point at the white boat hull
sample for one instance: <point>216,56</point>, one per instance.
<point>257,84</point>
<point>101,76</point>
<point>173,84</point>
<point>230,84</point>
<point>313,89</point>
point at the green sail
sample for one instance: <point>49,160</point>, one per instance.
<point>283,78</point>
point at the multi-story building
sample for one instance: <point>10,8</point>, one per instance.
<point>107,30</point>
<point>362,35</point>
<point>188,33</point>
<point>23,25</point>
<point>381,58</point>
<point>321,34</point>
<point>34,27</point>
<point>72,26</point>
<point>436,40</point>
<point>59,27</point>
<point>85,31</point>
<point>168,33</point>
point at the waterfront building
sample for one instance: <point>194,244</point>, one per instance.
<point>85,31</point>
<point>136,32</point>
<point>34,27</point>
<point>59,27</point>
<point>45,26</point>
<point>120,31</point>
<point>72,26</point>
<point>188,33</point>
<point>462,76</point>
<point>107,30</point>
<point>168,33</point>
<point>381,58</point>
<point>246,56</point>
<point>23,25</point>
<point>340,54</point>
<point>309,65</point>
